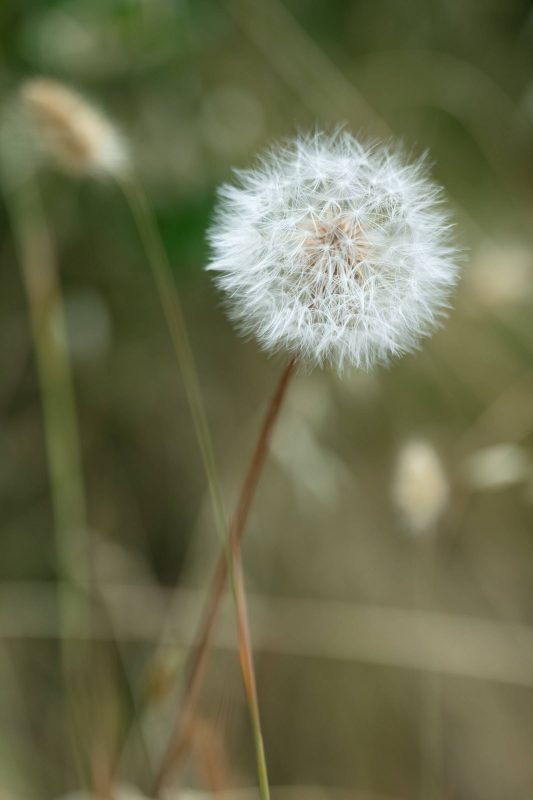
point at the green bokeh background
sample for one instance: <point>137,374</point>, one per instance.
<point>198,88</point>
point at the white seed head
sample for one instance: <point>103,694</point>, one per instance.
<point>70,131</point>
<point>338,252</point>
<point>420,488</point>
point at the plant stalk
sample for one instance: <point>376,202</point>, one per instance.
<point>181,733</point>
<point>37,259</point>
<point>77,588</point>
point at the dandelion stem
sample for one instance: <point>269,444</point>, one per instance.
<point>181,733</point>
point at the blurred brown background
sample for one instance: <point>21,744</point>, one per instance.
<point>351,614</point>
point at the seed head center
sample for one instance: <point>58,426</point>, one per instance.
<point>338,244</point>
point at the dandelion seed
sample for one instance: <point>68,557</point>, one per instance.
<point>70,131</point>
<point>420,488</point>
<point>336,252</point>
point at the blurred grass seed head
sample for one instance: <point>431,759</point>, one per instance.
<point>420,487</point>
<point>497,467</point>
<point>70,132</point>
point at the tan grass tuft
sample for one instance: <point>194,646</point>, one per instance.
<point>70,131</point>
<point>420,488</point>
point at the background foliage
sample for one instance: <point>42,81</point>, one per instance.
<point>338,585</point>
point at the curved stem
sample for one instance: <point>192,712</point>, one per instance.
<point>181,733</point>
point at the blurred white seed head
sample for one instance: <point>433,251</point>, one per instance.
<point>69,131</point>
<point>420,487</point>
<point>497,467</point>
<point>337,252</point>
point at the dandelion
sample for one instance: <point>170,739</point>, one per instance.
<point>337,252</point>
<point>70,131</point>
<point>420,488</point>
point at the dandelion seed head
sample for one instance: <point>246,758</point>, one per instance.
<point>420,487</point>
<point>337,252</point>
<point>71,132</point>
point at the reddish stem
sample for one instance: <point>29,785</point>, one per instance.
<point>181,733</point>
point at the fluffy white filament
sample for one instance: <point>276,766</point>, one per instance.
<point>337,252</point>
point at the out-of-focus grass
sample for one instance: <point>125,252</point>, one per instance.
<point>198,88</point>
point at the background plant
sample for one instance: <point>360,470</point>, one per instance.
<point>199,86</point>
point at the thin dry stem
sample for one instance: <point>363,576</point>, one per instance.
<point>210,752</point>
<point>247,668</point>
<point>38,265</point>
<point>181,733</point>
